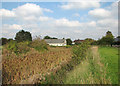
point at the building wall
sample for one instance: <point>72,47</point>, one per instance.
<point>57,44</point>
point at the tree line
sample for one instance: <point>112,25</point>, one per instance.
<point>22,35</point>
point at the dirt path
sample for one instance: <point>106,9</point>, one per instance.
<point>96,55</point>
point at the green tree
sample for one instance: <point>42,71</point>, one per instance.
<point>107,40</point>
<point>89,40</point>
<point>23,36</point>
<point>69,41</point>
<point>47,37</point>
<point>3,41</point>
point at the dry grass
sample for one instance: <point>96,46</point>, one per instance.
<point>32,66</point>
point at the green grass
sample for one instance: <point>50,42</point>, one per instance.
<point>89,71</point>
<point>109,57</point>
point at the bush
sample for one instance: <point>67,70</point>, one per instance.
<point>17,48</point>
<point>68,46</point>
<point>12,46</point>
<point>79,51</point>
<point>23,47</point>
<point>39,45</point>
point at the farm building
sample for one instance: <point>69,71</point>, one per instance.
<point>56,42</point>
<point>78,41</point>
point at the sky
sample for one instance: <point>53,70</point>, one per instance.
<point>75,20</point>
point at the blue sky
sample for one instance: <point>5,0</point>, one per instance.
<point>59,19</point>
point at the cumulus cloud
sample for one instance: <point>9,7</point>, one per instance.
<point>6,13</point>
<point>100,13</point>
<point>66,23</point>
<point>80,5</point>
<point>12,27</point>
<point>28,9</point>
<point>62,27</point>
<point>26,12</point>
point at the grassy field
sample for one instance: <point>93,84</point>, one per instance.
<point>109,57</point>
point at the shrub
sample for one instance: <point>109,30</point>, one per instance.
<point>39,45</point>
<point>23,47</point>
<point>17,48</point>
<point>68,46</point>
<point>12,46</point>
<point>79,51</point>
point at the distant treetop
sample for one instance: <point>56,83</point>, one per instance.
<point>23,36</point>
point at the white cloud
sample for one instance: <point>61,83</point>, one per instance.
<point>44,18</point>
<point>66,23</point>
<point>110,23</point>
<point>6,13</point>
<point>28,9</point>
<point>27,12</point>
<point>47,10</point>
<point>80,5</point>
<point>100,13</point>
<point>11,27</point>
<point>63,27</point>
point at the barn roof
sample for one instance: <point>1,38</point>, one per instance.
<point>55,40</point>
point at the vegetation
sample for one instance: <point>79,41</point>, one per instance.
<point>79,52</point>
<point>48,37</point>
<point>4,41</point>
<point>69,41</point>
<point>106,40</point>
<point>109,57</point>
<point>33,65</point>
<point>39,45</point>
<point>23,36</point>
<point>27,61</point>
<point>89,71</point>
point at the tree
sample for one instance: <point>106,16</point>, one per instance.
<point>3,41</point>
<point>69,41</point>
<point>23,36</point>
<point>90,41</point>
<point>107,40</point>
<point>54,38</point>
<point>47,37</point>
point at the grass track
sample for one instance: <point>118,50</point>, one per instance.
<point>90,71</point>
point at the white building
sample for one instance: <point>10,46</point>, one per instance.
<point>56,42</point>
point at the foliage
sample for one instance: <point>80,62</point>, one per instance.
<point>89,40</point>
<point>39,44</point>
<point>23,47</point>
<point>18,48</point>
<point>106,40</point>
<point>68,46</point>
<point>69,41</point>
<point>23,36</point>
<point>12,46</point>
<point>79,51</point>
<point>48,37</point>
<point>21,70</point>
<point>3,41</point>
